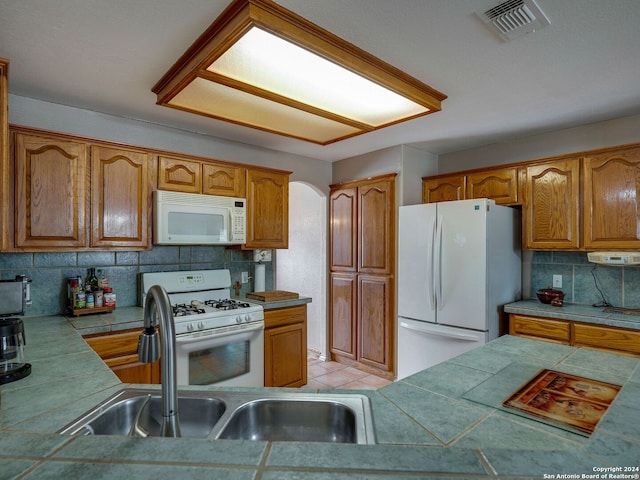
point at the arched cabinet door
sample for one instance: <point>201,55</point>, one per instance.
<point>267,209</point>
<point>344,229</point>
<point>550,211</point>
<point>51,192</point>
<point>376,226</point>
<point>611,200</point>
<point>120,200</point>
<point>443,189</point>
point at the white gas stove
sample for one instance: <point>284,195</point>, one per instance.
<point>201,300</point>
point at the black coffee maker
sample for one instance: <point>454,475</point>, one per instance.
<point>14,296</point>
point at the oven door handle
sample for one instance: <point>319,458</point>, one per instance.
<point>218,332</point>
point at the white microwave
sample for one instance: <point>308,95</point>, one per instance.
<point>193,219</point>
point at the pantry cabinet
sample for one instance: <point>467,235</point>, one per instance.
<point>50,192</point>
<point>344,229</point>
<point>601,337</point>
<point>119,351</point>
<point>611,211</point>
<point>285,347</point>
<point>267,209</point>
<point>344,315</point>
<point>193,176</point>
<point>362,273</point>
<point>120,198</point>
<point>551,207</point>
<point>375,324</point>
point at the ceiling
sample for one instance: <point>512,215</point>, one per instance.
<point>106,55</point>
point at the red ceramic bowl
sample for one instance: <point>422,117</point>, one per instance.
<point>546,295</point>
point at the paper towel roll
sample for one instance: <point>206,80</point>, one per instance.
<point>258,277</point>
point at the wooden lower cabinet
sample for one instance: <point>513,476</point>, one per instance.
<point>285,347</point>
<point>119,352</point>
<point>375,328</point>
<point>540,328</point>
<point>362,326</point>
<point>344,295</point>
<point>601,337</point>
<point>608,338</point>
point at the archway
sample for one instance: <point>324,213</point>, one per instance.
<point>302,267</point>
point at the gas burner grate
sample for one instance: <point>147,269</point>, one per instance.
<point>227,304</point>
<point>182,309</point>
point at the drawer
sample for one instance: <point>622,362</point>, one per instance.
<point>285,316</point>
<point>609,338</point>
<point>554,330</point>
<point>115,344</point>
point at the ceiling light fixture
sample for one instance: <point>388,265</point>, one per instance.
<point>262,66</point>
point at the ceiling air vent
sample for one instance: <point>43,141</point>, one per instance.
<point>514,18</point>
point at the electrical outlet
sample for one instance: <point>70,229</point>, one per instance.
<point>245,277</point>
<point>557,281</point>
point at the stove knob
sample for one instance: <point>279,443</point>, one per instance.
<point>247,317</point>
<point>190,327</point>
<point>238,319</point>
<point>201,325</point>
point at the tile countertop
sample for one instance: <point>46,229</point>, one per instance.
<point>577,312</point>
<point>442,422</point>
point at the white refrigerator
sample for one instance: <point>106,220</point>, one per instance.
<point>458,264</point>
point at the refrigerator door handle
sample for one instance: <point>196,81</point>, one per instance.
<point>440,332</point>
<point>437,260</point>
<point>430,257</point>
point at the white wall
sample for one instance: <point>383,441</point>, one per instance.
<point>302,268</point>
<point>60,118</point>
<point>610,133</point>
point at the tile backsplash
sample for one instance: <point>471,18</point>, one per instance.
<point>49,271</point>
<point>585,282</point>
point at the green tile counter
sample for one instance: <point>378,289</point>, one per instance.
<point>576,312</point>
<point>443,422</point>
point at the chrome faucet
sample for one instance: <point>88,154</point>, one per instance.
<point>157,305</point>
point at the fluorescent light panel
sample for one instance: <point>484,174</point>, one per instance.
<point>257,65</point>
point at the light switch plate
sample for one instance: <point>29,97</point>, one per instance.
<point>557,281</point>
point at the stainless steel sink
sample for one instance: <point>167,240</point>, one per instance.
<point>139,413</point>
<point>242,415</point>
<point>311,420</point>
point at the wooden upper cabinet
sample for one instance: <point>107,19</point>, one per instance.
<point>267,209</point>
<point>120,200</point>
<point>551,205</point>
<point>344,229</point>
<point>611,212</point>
<point>50,192</point>
<point>500,185</point>
<point>376,226</point>
<point>226,180</point>
<point>179,175</point>
<point>443,189</point>
<point>193,176</point>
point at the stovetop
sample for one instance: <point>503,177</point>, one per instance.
<point>201,300</point>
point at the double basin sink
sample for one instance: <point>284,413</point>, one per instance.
<point>266,415</point>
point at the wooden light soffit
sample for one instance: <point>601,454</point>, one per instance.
<point>191,87</point>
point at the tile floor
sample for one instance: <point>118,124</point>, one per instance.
<point>326,375</point>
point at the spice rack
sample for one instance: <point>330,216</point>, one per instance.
<point>76,312</point>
